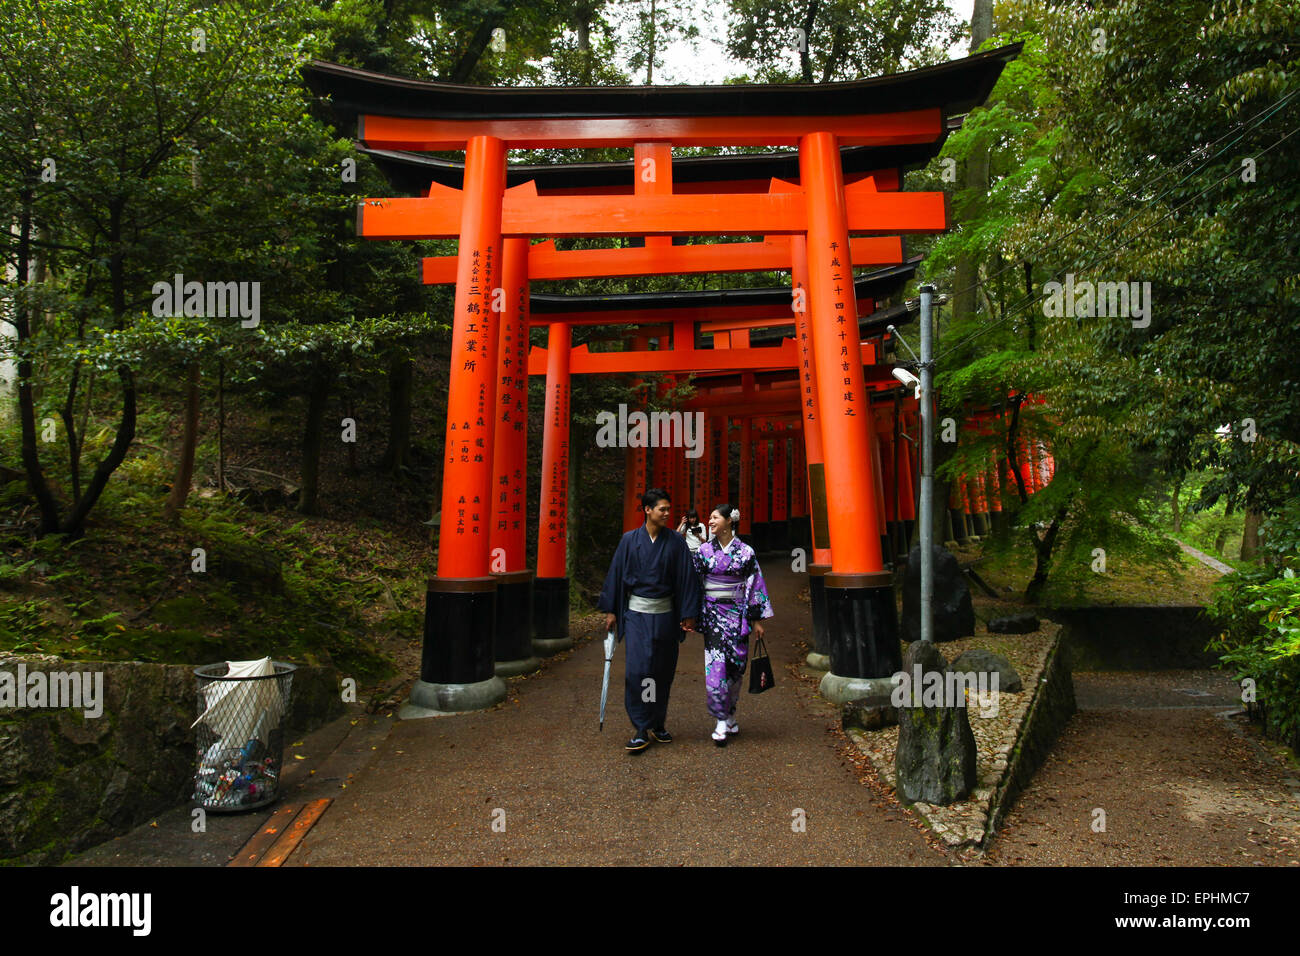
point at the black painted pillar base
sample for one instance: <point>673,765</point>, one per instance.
<point>819,658</point>
<point>979,524</point>
<point>457,672</point>
<point>998,521</point>
<point>960,527</point>
<point>801,533</point>
<point>513,641</point>
<point>758,537</point>
<point>551,616</point>
<point>862,626</point>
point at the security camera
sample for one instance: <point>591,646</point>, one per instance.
<point>910,381</point>
<point>907,378</point>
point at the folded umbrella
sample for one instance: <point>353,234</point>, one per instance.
<point>239,710</point>
<point>604,686</point>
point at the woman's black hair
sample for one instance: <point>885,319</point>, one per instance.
<point>725,509</point>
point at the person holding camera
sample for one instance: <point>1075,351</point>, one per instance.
<point>691,529</point>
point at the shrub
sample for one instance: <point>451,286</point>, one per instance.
<point>1259,612</point>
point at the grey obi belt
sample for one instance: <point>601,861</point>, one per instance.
<point>649,605</point>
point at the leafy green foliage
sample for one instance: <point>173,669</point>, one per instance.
<point>841,39</point>
<point>1093,139</point>
<point>1259,613</point>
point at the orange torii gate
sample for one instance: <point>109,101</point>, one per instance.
<point>494,223</point>
<point>547,594</point>
<point>672,317</point>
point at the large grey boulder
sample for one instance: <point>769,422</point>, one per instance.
<point>1024,623</point>
<point>979,661</point>
<point>935,760</point>
<point>954,616</point>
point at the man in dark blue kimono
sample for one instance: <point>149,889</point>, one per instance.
<point>651,597</point>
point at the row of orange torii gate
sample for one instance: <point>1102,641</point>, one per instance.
<point>825,439</point>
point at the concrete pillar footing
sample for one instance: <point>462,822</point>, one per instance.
<point>546,647</point>
<point>525,665</point>
<point>838,690</point>
<point>441,700</point>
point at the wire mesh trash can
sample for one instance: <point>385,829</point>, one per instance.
<point>240,733</point>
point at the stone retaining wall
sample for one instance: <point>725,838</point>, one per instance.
<point>1150,637</point>
<point>69,782</point>
<point>1048,713</point>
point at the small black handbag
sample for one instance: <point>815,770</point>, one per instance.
<point>760,674</point>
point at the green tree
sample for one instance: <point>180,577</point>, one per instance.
<point>122,98</point>
<point>816,41</point>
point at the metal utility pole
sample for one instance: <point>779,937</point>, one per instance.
<point>926,517</point>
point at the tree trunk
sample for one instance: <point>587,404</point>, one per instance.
<point>313,440</point>
<point>1173,504</point>
<point>650,59</point>
<point>400,378</point>
<point>68,414</point>
<point>1250,534</point>
<point>1013,433</point>
<point>1222,539</point>
<point>805,54</point>
<point>478,43</point>
<point>75,523</point>
<point>966,279</point>
<point>36,482</point>
<point>85,421</point>
<point>189,439</point>
<point>1043,555</point>
<point>582,25</point>
<point>981,23</point>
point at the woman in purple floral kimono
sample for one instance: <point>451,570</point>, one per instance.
<point>735,598</point>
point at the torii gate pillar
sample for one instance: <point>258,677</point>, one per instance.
<point>513,639</point>
<point>861,617</point>
<point>814,464</point>
<point>551,589</point>
<point>457,670</point>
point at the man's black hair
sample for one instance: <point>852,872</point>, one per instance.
<point>653,496</point>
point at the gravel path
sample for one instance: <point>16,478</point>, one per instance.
<point>571,795</point>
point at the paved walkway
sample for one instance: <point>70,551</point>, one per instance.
<point>1205,559</point>
<point>1180,781</point>
<point>571,795</point>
